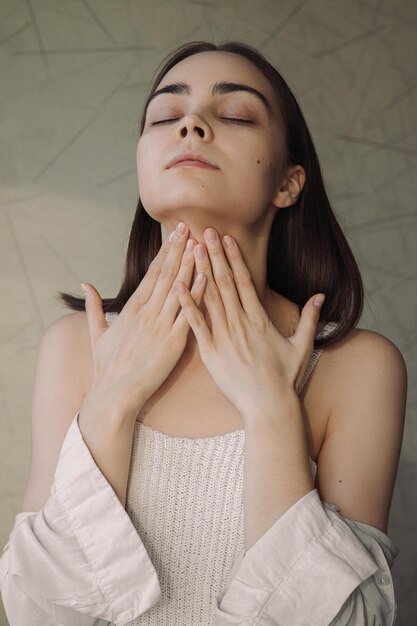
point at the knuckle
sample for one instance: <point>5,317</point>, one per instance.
<point>173,291</point>
<point>212,293</point>
<point>203,264</point>
<point>146,315</point>
<point>197,290</point>
<point>244,278</point>
<point>217,251</point>
<point>225,279</point>
<point>187,259</point>
<point>234,253</point>
<point>154,270</point>
<point>198,318</point>
<point>167,272</point>
<point>136,301</point>
<point>177,242</point>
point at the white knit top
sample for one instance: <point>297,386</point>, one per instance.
<point>185,498</point>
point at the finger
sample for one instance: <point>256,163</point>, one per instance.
<point>242,279</point>
<point>223,276</point>
<point>185,274</point>
<point>181,324</point>
<point>145,289</point>
<point>95,316</point>
<point>169,271</point>
<point>212,297</point>
<point>307,326</point>
<point>195,318</point>
<point>305,335</point>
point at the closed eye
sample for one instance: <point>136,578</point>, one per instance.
<point>163,121</point>
<point>238,120</point>
<point>229,119</point>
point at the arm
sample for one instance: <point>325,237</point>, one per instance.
<point>108,433</point>
<point>314,565</point>
<point>337,573</point>
<point>73,553</point>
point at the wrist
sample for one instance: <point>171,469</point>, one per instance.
<point>104,402</point>
<point>270,410</point>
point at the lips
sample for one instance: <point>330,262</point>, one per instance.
<point>191,157</point>
<point>189,163</point>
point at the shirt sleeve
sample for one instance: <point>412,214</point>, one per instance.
<point>80,557</point>
<point>313,567</point>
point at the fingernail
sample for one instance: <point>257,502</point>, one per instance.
<point>211,234</point>
<point>200,251</point>
<point>228,241</point>
<point>181,228</point>
<point>318,300</point>
<point>84,289</point>
<point>190,245</point>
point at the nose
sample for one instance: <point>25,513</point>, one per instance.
<point>192,125</point>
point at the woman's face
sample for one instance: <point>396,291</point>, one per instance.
<point>248,156</point>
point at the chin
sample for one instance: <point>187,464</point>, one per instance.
<point>188,208</point>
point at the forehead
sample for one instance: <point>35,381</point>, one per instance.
<point>205,68</point>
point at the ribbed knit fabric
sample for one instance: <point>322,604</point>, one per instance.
<point>185,498</point>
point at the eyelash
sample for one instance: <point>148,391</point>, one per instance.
<point>230,119</point>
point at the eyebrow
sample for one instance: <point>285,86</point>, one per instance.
<point>219,88</point>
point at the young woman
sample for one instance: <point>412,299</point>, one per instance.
<point>202,481</point>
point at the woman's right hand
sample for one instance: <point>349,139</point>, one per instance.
<point>134,356</point>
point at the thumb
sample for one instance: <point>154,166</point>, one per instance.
<point>315,304</point>
<point>318,301</point>
<point>310,315</point>
<point>94,310</point>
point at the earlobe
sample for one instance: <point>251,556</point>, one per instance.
<point>283,199</point>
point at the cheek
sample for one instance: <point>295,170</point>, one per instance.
<point>259,170</point>
<point>141,154</point>
<point>143,169</point>
<point>263,164</point>
<point>139,164</point>
<point>146,162</point>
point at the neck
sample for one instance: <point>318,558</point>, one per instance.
<point>253,246</point>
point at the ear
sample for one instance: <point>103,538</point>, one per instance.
<point>290,188</point>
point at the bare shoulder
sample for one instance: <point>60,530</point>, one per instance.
<point>70,322</point>
<point>74,330</point>
<point>361,354</point>
<point>366,377</point>
<point>59,389</point>
<point>80,327</point>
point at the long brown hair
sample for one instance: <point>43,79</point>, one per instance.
<point>307,250</point>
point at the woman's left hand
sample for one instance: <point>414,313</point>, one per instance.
<point>248,359</point>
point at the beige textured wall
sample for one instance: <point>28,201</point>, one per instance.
<point>74,74</point>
